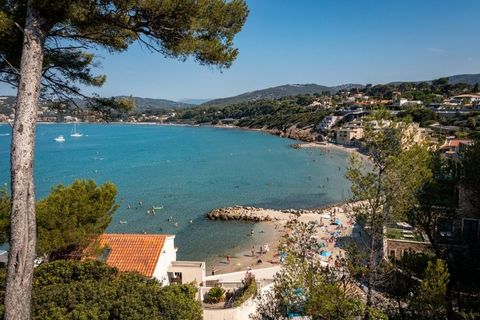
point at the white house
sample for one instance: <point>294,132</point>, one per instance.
<point>328,122</point>
<point>152,255</point>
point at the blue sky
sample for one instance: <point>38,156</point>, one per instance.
<point>327,42</point>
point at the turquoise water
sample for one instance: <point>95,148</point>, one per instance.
<point>188,171</point>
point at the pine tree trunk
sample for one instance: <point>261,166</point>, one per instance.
<point>23,227</point>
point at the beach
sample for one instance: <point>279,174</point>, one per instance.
<point>336,225</point>
<point>332,146</point>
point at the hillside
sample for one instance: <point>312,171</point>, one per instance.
<point>471,79</point>
<point>143,104</point>
<point>279,92</point>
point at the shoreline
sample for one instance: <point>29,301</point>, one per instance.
<point>267,232</point>
<point>302,144</point>
<point>327,216</point>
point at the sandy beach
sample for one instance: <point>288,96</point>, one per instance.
<point>336,225</point>
<point>331,146</point>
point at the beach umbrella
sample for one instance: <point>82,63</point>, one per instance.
<point>325,254</point>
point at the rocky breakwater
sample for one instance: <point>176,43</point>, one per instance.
<point>242,213</point>
<point>239,213</point>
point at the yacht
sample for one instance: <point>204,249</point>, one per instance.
<point>60,139</point>
<point>74,132</point>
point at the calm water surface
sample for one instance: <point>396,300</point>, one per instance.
<point>188,171</point>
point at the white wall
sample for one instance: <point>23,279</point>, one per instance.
<point>169,254</point>
<point>241,313</point>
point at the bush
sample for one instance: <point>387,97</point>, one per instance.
<point>92,290</point>
<point>216,294</point>
<point>248,290</point>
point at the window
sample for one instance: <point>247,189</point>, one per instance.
<point>470,229</point>
<point>445,227</point>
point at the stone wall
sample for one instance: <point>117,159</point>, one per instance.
<point>397,248</point>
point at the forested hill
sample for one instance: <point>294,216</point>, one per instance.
<point>145,104</point>
<point>142,104</point>
<point>471,79</point>
<point>279,92</point>
<point>299,89</point>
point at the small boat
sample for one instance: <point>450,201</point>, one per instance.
<point>157,208</point>
<point>60,139</point>
<point>74,132</point>
<point>123,221</point>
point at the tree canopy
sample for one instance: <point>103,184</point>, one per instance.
<point>303,286</point>
<point>92,290</point>
<point>72,29</point>
<point>68,217</point>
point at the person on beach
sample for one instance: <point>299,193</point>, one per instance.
<point>253,251</point>
<point>228,259</point>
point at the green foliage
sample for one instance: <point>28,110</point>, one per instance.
<point>92,290</point>
<point>269,114</point>
<point>471,173</point>
<point>68,217</point>
<point>5,207</point>
<point>303,285</point>
<point>72,29</point>
<point>421,115</point>
<point>247,291</point>
<point>423,91</point>
<point>431,299</point>
<point>415,263</point>
<point>328,301</point>
<point>216,294</point>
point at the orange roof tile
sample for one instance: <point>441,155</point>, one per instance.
<point>455,143</point>
<point>133,252</point>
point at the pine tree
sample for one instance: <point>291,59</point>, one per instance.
<point>45,51</point>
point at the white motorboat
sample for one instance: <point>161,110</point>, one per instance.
<point>60,139</point>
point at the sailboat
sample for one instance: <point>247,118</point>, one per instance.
<point>74,132</point>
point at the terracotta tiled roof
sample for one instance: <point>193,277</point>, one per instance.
<point>455,143</point>
<point>133,252</point>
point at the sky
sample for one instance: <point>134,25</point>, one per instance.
<point>327,42</point>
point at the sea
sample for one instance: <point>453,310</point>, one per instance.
<point>188,171</point>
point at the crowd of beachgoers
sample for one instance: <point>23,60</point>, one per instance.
<point>335,224</point>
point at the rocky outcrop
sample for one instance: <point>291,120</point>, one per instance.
<point>306,134</point>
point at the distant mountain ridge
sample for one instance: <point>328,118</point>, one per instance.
<point>294,89</point>
<point>471,79</point>
<point>142,104</point>
<point>280,92</point>
<point>193,101</point>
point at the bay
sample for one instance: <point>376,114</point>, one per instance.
<point>189,171</point>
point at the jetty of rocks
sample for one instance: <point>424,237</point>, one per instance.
<point>254,214</point>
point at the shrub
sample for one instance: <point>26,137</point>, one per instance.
<point>248,290</point>
<point>92,290</point>
<point>216,294</point>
